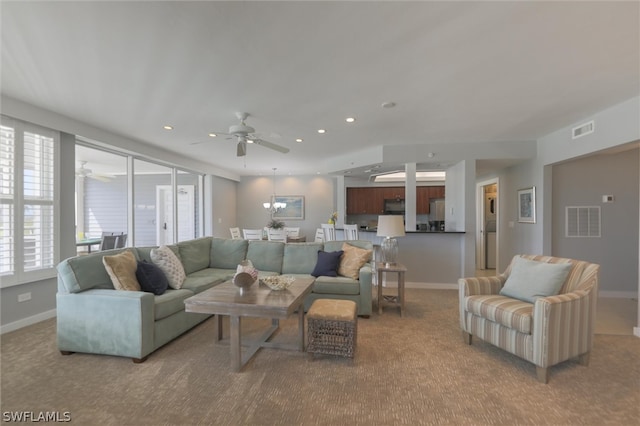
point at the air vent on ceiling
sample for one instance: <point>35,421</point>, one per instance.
<point>582,221</point>
<point>582,130</point>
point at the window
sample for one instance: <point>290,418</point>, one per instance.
<point>28,209</point>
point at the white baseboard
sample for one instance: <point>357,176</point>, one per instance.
<point>618,294</point>
<point>636,331</point>
<point>13,326</point>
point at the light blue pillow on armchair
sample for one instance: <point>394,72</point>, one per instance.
<point>530,279</point>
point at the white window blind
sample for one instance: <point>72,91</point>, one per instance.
<point>27,201</point>
<point>582,221</point>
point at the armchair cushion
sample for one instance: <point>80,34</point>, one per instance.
<point>530,279</point>
<point>512,313</point>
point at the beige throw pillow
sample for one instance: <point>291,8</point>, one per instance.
<point>167,260</point>
<point>122,270</point>
<point>352,260</point>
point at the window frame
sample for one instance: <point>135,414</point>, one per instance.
<point>19,275</point>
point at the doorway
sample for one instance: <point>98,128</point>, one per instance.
<point>487,228</point>
<point>164,212</point>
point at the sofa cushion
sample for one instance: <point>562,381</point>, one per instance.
<point>151,278</point>
<point>195,254</point>
<point>266,255</point>
<point>530,279</point>
<point>81,273</point>
<point>226,253</point>
<point>507,311</point>
<point>327,264</point>
<point>170,264</point>
<point>170,302</point>
<point>122,270</point>
<point>336,285</point>
<point>206,278</point>
<point>352,260</point>
<point>300,258</point>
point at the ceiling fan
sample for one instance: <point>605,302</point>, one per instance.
<point>245,134</point>
<point>84,172</point>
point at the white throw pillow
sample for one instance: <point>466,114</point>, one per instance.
<point>530,279</point>
<point>166,260</point>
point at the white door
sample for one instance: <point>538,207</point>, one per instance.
<point>186,214</point>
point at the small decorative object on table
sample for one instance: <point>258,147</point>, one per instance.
<point>275,224</point>
<point>247,266</point>
<point>333,218</point>
<point>243,280</point>
<point>278,282</point>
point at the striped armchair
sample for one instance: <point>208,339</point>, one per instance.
<point>547,332</point>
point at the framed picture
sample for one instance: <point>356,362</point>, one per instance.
<point>527,205</point>
<point>294,209</point>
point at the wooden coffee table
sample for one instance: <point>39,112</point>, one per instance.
<point>257,301</point>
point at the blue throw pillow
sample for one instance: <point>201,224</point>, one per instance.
<point>151,278</point>
<point>530,280</point>
<point>327,264</point>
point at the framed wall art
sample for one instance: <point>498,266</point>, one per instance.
<point>527,205</point>
<point>294,209</point>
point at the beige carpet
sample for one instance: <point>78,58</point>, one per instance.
<point>412,370</point>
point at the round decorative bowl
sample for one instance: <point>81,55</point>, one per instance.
<point>278,282</point>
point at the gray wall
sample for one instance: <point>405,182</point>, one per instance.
<point>582,182</point>
<point>318,192</point>
<point>223,210</point>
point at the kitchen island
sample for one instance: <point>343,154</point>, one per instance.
<point>431,257</point>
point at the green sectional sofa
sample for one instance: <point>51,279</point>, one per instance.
<point>94,317</point>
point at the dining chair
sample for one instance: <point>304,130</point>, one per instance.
<point>329,231</point>
<point>350,232</point>
<point>235,233</point>
<point>121,240</point>
<point>252,234</point>
<point>277,235</point>
<point>292,232</point>
<point>319,236</point>
<point>108,242</point>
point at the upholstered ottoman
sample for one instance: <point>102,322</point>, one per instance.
<point>332,327</point>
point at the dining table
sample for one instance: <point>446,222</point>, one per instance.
<point>88,242</point>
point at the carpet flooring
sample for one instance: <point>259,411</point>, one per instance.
<point>407,371</point>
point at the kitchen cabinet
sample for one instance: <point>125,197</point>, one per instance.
<point>424,195</point>
<point>365,200</point>
<point>393,192</point>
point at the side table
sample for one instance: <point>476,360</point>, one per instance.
<point>398,268</point>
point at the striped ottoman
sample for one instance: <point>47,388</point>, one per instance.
<point>332,327</point>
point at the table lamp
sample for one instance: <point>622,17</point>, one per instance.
<point>390,227</point>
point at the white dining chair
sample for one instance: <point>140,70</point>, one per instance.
<point>319,236</point>
<point>252,234</point>
<point>277,235</point>
<point>350,232</point>
<point>235,233</point>
<point>329,231</point>
<point>292,232</point>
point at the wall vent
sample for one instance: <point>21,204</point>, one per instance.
<point>581,222</point>
<point>583,130</point>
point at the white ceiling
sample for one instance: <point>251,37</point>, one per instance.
<point>459,72</point>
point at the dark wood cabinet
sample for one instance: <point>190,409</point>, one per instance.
<point>370,200</point>
<point>424,195</point>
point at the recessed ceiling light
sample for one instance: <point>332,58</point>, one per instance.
<point>388,104</point>
<point>299,140</point>
<point>321,131</point>
<point>350,119</point>
<point>213,135</point>
<point>167,127</point>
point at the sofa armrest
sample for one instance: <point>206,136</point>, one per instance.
<point>365,277</point>
<point>112,322</point>
<point>563,326</point>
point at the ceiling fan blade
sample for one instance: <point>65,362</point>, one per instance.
<point>242,149</point>
<point>101,178</point>
<point>271,145</point>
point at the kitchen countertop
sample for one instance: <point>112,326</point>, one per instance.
<point>416,232</point>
